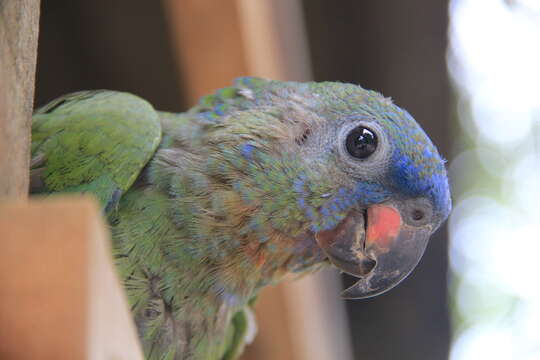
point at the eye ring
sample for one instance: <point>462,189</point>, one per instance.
<point>376,163</point>
<point>361,142</point>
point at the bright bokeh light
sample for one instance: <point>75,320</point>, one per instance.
<point>494,60</point>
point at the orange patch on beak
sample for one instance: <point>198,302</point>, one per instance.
<point>383,225</point>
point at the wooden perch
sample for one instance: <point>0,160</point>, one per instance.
<point>60,297</point>
<point>18,46</point>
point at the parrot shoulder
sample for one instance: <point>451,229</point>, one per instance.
<point>93,142</point>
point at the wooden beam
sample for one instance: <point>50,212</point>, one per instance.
<point>60,297</point>
<point>317,317</point>
<point>217,41</point>
<point>274,39</point>
<point>18,49</point>
<point>207,38</point>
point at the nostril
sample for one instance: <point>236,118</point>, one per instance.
<point>417,214</point>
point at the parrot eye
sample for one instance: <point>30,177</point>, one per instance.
<point>361,142</point>
<point>364,149</point>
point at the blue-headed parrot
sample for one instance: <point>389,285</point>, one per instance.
<point>259,180</point>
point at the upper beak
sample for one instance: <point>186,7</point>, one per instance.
<point>381,253</point>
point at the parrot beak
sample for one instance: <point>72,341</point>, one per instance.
<point>379,248</point>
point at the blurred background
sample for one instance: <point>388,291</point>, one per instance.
<point>466,69</point>
<point>494,59</point>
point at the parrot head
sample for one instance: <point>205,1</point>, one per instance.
<point>399,182</point>
<point>342,164</point>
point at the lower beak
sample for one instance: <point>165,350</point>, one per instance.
<point>380,250</point>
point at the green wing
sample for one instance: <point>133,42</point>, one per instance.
<point>92,142</point>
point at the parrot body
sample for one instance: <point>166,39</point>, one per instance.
<point>209,206</point>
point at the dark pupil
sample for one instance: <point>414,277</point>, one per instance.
<point>361,142</point>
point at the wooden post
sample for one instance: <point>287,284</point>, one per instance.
<point>60,297</point>
<point>18,46</point>
<point>217,41</point>
<point>206,37</point>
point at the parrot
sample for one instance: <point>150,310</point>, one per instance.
<point>261,181</point>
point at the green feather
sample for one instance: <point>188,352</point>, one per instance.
<point>94,141</point>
